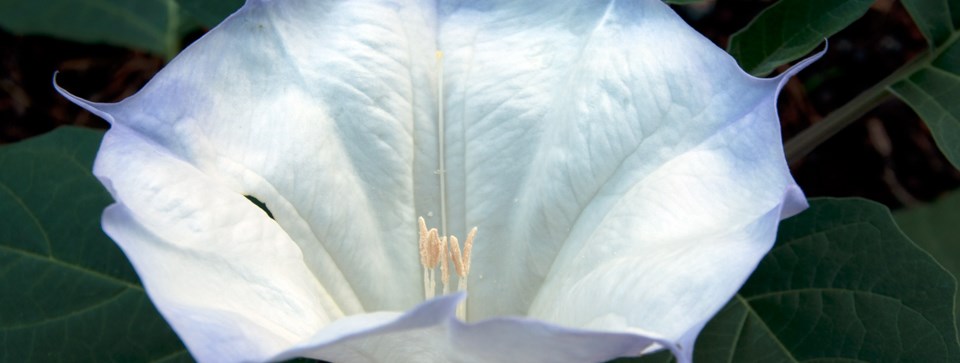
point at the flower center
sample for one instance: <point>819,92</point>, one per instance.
<point>439,250</point>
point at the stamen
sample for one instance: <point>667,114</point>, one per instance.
<point>456,256</point>
<point>434,250</point>
<point>444,269</point>
<point>429,256</point>
<point>467,248</point>
<point>461,274</point>
<point>423,241</point>
<point>424,257</point>
<point>433,245</point>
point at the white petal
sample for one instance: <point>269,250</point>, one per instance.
<point>227,278</point>
<point>615,161</point>
<point>313,108</point>
<point>626,177</point>
<point>431,333</point>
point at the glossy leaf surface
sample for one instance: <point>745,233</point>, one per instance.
<point>67,293</point>
<point>789,29</point>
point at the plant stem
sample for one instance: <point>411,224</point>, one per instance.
<point>171,36</point>
<point>807,140</point>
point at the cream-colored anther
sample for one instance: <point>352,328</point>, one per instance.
<point>434,259</point>
<point>425,257</point>
<point>423,241</point>
<point>462,263</point>
<point>444,268</point>
<point>429,256</point>
<point>456,256</point>
<point>434,250</point>
<point>467,248</point>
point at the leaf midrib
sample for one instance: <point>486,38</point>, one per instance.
<point>67,315</point>
<point>72,267</point>
<point>33,217</point>
<point>763,323</point>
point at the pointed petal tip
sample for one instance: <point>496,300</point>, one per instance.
<point>94,107</point>
<point>801,65</point>
<point>794,202</point>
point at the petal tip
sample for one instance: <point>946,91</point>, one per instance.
<point>801,65</point>
<point>93,107</point>
<point>794,202</point>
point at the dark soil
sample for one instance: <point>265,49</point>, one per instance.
<point>888,156</point>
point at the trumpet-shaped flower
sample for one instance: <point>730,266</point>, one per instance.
<point>624,175</point>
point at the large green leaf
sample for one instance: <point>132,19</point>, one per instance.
<point>931,84</point>
<point>210,12</point>
<point>935,18</point>
<point>936,228</point>
<point>790,29</point>
<point>842,284</point>
<point>152,25</point>
<point>67,292</point>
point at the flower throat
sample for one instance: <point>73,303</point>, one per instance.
<point>437,249</point>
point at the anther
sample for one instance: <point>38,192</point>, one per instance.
<point>467,248</point>
<point>456,256</point>
<point>434,250</point>
<point>444,269</point>
<point>423,241</point>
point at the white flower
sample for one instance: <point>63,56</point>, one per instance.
<point>625,176</point>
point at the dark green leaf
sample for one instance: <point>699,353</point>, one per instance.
<point>931,84</point>
<point>789,29</point>
<point>936,228</point>
<point>842,284</point>
<point>932,91</point>
<point>67,292</point>
<point>210,12</point>
<point>935,18</point>
<point>152,25</point>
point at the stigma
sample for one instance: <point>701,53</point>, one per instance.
<point>443,251</point>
